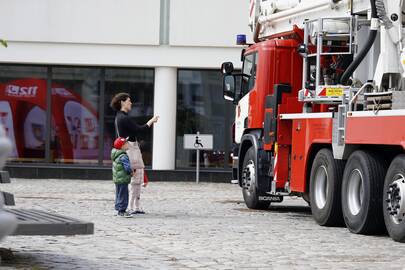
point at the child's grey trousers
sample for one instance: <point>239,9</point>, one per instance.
<point>135,190</point>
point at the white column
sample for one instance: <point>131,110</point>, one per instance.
<point>164,131</point>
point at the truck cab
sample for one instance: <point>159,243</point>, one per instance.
<point>268,83</point>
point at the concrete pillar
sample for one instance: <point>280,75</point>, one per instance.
<point>164,131</point>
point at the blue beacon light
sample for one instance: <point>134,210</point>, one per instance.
<point>241,40</point>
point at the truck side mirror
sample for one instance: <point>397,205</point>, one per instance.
<point>242,55</point>
<point>229,85</point>
<point>227,68</point>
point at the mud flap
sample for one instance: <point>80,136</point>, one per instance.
<point>263,180</point>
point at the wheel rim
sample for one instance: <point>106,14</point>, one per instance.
<point>395,199</point>
<point>249,176</point>
<point>321,186</point>
<point>355,192</point>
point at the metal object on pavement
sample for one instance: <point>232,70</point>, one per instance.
<point>37,222</point>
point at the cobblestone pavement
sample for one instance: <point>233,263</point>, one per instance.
<point>188,226</point>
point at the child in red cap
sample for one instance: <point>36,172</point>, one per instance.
<point>122,172</point>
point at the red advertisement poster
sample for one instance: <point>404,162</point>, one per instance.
<point>74,132</point>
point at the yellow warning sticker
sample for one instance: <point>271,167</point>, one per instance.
<point>334,91</point>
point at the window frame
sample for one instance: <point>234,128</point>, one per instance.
<point>242,91</point>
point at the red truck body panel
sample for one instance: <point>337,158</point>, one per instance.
<point>279,63</point>
<point>305,133</point>
<point>382,130</point>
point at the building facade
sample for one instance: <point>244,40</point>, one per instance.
<point>66,59</point>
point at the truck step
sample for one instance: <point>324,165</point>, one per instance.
<point>37,222</point>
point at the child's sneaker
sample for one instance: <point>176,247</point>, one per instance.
<point>136,212</point>
<point>124,214</point>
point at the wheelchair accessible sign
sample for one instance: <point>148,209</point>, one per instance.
<point>198,141</point>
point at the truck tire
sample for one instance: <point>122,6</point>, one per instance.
<point>362,188</point>
<point>248,180</point>
<point>394,199</point>
<point>325,189</point>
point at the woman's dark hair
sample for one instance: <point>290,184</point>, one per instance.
<point>116,100</point>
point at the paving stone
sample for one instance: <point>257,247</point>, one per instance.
<point>187,226</point>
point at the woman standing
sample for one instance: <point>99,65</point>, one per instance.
<point>126,127</point>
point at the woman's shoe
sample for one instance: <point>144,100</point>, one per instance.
<point>136,212</point>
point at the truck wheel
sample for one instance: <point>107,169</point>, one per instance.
<point>394,199</point>
<point>249,189</point>
<point>325,186</point>
<point>362,189</point>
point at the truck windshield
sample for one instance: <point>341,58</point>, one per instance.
<point>248,73</point>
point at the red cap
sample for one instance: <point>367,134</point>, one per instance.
<point>119,142</point>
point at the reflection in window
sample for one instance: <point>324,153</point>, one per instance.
<point>201,107</point>
<point>22,110</point>
<point>138,83</point>
<point>75,123</point>
<point>249,73</point>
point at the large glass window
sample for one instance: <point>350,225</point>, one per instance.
<point>23,110</point>
<point>201,107</point>
<point>138,83</point>
<point>75,116</point>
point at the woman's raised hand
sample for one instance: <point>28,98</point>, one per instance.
<point>153,120</point>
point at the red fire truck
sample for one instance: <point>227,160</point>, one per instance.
<point>320,110</point>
